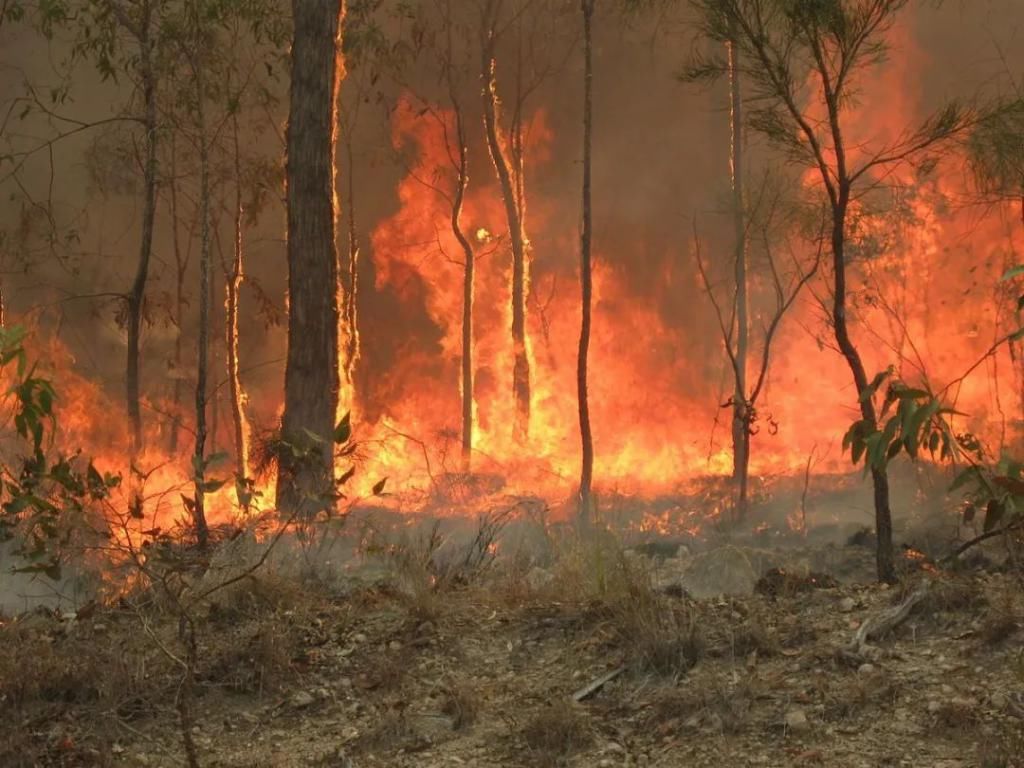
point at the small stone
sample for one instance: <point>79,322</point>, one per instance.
<point>99,629</point>
<point>359,637</point>
<point>934,705</point>
<point>797,722</point>
<point>865,669</point>
<point>998,700</point>
<point>847,604</point>
<point>302,699</point>
<point>394,645</point>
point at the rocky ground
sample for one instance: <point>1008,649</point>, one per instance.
<point>598,657</point>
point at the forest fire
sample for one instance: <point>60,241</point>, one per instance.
<point>374,369</point>
<point>925,290</point>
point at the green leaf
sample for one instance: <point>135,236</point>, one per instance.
<point>216,458</point>
<point>912,437</point>
<point>211,486</point>
<point>343,432</point>
<point>1012,272</point>
<point>314,437</point>
<point>993,514</point>
<point>894,449</point>
<point>869,391</point>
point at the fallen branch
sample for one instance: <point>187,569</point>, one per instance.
<point>978,539</point>
<point>591,688</point>
<point>886,621</point>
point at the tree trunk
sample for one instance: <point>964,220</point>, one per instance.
<point>138,290</point>
<point>232,285</point>
<point>496,146</point>
<point>350,280</point>
<point>311,374</point>
<point>205,264</point>
<point>180,268</point>
<point>586,438</point>
<point>467,289</point>
<point>879,477</point>
<point>740,408</point>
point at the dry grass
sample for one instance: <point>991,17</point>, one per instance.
<point>60,683</point>
<point>1006,751</point>
<point>955,717</point>
<point>860,693</point>
<point>658,633</point>
<point>719,708</point>
<point>461,704</point>
<point>556,732</point>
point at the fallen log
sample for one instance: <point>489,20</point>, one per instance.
<point>884,622</point>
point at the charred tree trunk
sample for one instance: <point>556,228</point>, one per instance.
<point>311,372</point>
<point>496,145</point>
<point>136,295</point>
<point>232,286</point>
<point>740,407</point>
<point>350,279</point>
<point>205,268</point>
<point>587,440</point>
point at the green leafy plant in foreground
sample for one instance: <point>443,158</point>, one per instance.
<point>45,495</point>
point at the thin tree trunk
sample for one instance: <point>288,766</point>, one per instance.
<point>232,286</point>
<point>205,264</point>
<point>879,477</point>
<point>496,146</point>
<point>311,372</point>
<point>138,290</point>
<point>586,438</point>
<point>213,388</point>
<point>181,266</point>
<point>840,207</point>
<point>740,415</point>
<point>469,259</point>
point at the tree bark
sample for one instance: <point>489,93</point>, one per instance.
<point>879,477</point>
<point>469,260</point>
<point>205,264</point>
<point>350,279</point>
<point>232,286</point>
<point>586,438</point>
<point>510,193</point>
<point>311,373</point>
<point>136,295</point>
<point>741,407</point>
<point>180,268</point>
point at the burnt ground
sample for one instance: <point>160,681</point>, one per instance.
<point>402,664</point>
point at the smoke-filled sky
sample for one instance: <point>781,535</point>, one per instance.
<point>661,153</point>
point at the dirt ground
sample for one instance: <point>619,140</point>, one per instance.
<point>397,666</point>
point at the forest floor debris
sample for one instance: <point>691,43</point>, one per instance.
<point>484,672</point>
